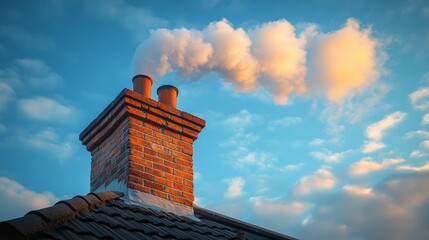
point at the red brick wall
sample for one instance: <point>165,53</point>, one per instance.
<point>147,144</point>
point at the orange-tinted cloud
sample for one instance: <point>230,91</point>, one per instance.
<point>346,60</point>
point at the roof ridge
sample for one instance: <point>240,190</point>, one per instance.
<point>40,220</point>
<point>217,217</point>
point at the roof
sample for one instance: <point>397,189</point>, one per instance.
<point>106,216</point>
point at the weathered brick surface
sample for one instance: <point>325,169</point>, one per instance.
<point>146,144</point>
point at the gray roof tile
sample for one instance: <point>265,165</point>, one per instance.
<point>105,216</point>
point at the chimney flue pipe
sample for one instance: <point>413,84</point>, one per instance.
<point>142,84</point>
<point>167,94</point>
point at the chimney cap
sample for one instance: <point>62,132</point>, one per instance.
<point>142,76</point>
<point>168,86</point>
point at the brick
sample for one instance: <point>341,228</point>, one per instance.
<point>136,167</point>
<point>152,126</point>
<point>174,178</point>
<point>138,187</point>
<point>174,127</point>
<point>188,196</point>
<point>153,159</point>
<point>132,102</point>
<point>153,185</point>
<point>155,172</point>
<point>188,170</point>
<point>169,109</point>
<point>159,112</point>
<point>135,179</point>
<point>164,156</point>
<point>189,183</point>
<point>173,191</point>
<point>171,134</point>
<point>163,181</point>
<point>188,151</point>
<point>159,194</point>
<point>194,119</point>
<point>152,139</point>
<point>162,136</point>
<point>172,165</point>
<point>171,146</point>
<point>177,199</point>
<point>136,112</point>
<point>181,155</point>
<point>149,151</point>
<point>162,168</point>
<point>155,119</point>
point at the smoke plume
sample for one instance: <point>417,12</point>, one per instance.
<point>270,56</point>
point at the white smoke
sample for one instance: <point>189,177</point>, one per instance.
<point>271,56</point>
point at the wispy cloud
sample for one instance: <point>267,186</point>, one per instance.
<point>7,94</point>
<point>283,122</point>
<point>422,168</point>
<point>320,180</point>
<point>417,154</point>
<point>329,157</point>
<point>290,167</point>
<point>367,165</point>
<point>277,213</point>
<point>235,187</point>
<point>18,200</point>
<point>420,98</point>
<point>243,119</point>
<point>243,157</point>
<point>418,133</point>
<point>376,130</point>
<point>46,109</point>
<point>136,19</point>
<point>33,72</point>
<point>371,146</point>
<point>50,141</point>
<point>425,119</point>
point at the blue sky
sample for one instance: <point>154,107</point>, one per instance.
<point>317,111</point>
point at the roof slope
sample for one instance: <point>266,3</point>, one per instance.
<point>106,216</point>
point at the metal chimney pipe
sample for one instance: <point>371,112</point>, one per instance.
<point>142,84</point>
<point>167,94</point>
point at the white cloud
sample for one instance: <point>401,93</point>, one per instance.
<point>354,189</point>
<point>422,168</point>
<point>277,213</point>
<point>243,157</point>
<point>317,142</point>
<point>243,119</point>
<point>418,133</point>
<point>291,167</point>
<point>376,130</point>
<point>417,154</point>
<point>17,200</point>
<point>283,122</point>
<point>7,94</point>
<point>371,146</point>
<point>27,72</point>
<point>320,180</point>
<point>235,187</point>
<point>37,73</point>
<point>328,156</point>
<point>367,165</point>
<point>420,98</point>
<point>48,140</point>
<point>46,109</point>
<point>425,119</point>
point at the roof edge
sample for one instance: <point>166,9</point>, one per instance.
<point>240,224</point>
<point>40,220</point>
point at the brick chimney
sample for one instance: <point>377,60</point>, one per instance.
<point>144,148</point>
